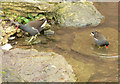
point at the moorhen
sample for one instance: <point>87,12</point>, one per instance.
<point>99,39</point>
<point>33,28</point>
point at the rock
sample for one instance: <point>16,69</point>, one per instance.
<point>37,1</point>
<point>78,14</point>
<point>49,32</point>
<point>1,53</point>
<point>11,75</point>
<point>34,66</point>
<point>0,80</point>
<point>10,30</point>
<point>21,34</point>
<point>2,33</point>
<point>6,47</point>
<point>5,32</point>
<point>11,38</point>
<point>24,8</point>
<point>1,38</point>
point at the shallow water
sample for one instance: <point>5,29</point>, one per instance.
<point>90,63</point>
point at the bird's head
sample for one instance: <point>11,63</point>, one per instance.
<point>93,33</point>
<point>107,44</point>
<point>16,23</point>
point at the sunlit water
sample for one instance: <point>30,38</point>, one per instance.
<point>89,62</point>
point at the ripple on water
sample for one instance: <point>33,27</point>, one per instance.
<point>87,45</point>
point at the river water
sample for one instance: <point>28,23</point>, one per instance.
<point>90,63</point>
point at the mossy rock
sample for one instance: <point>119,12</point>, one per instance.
<point>79,14</point>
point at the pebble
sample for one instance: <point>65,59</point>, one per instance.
<point>49,32</point>
<point>6,47</point>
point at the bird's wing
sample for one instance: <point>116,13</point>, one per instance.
<point>99,36</point>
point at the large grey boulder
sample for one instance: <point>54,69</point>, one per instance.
<point>79,14</point>
<point>33,66</point>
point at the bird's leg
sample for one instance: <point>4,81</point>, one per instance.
<point>31,39</point>
<point>35,36</point>
<point>100,47</point>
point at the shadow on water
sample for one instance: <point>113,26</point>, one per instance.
<point>90,64</point>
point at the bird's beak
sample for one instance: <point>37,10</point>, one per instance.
<point>17,26</point>
<point>106,46</point>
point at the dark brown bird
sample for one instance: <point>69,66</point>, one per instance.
<point>33,28</point>
<point>99,39</point>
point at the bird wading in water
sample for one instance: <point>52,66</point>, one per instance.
<point>100,39</point>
